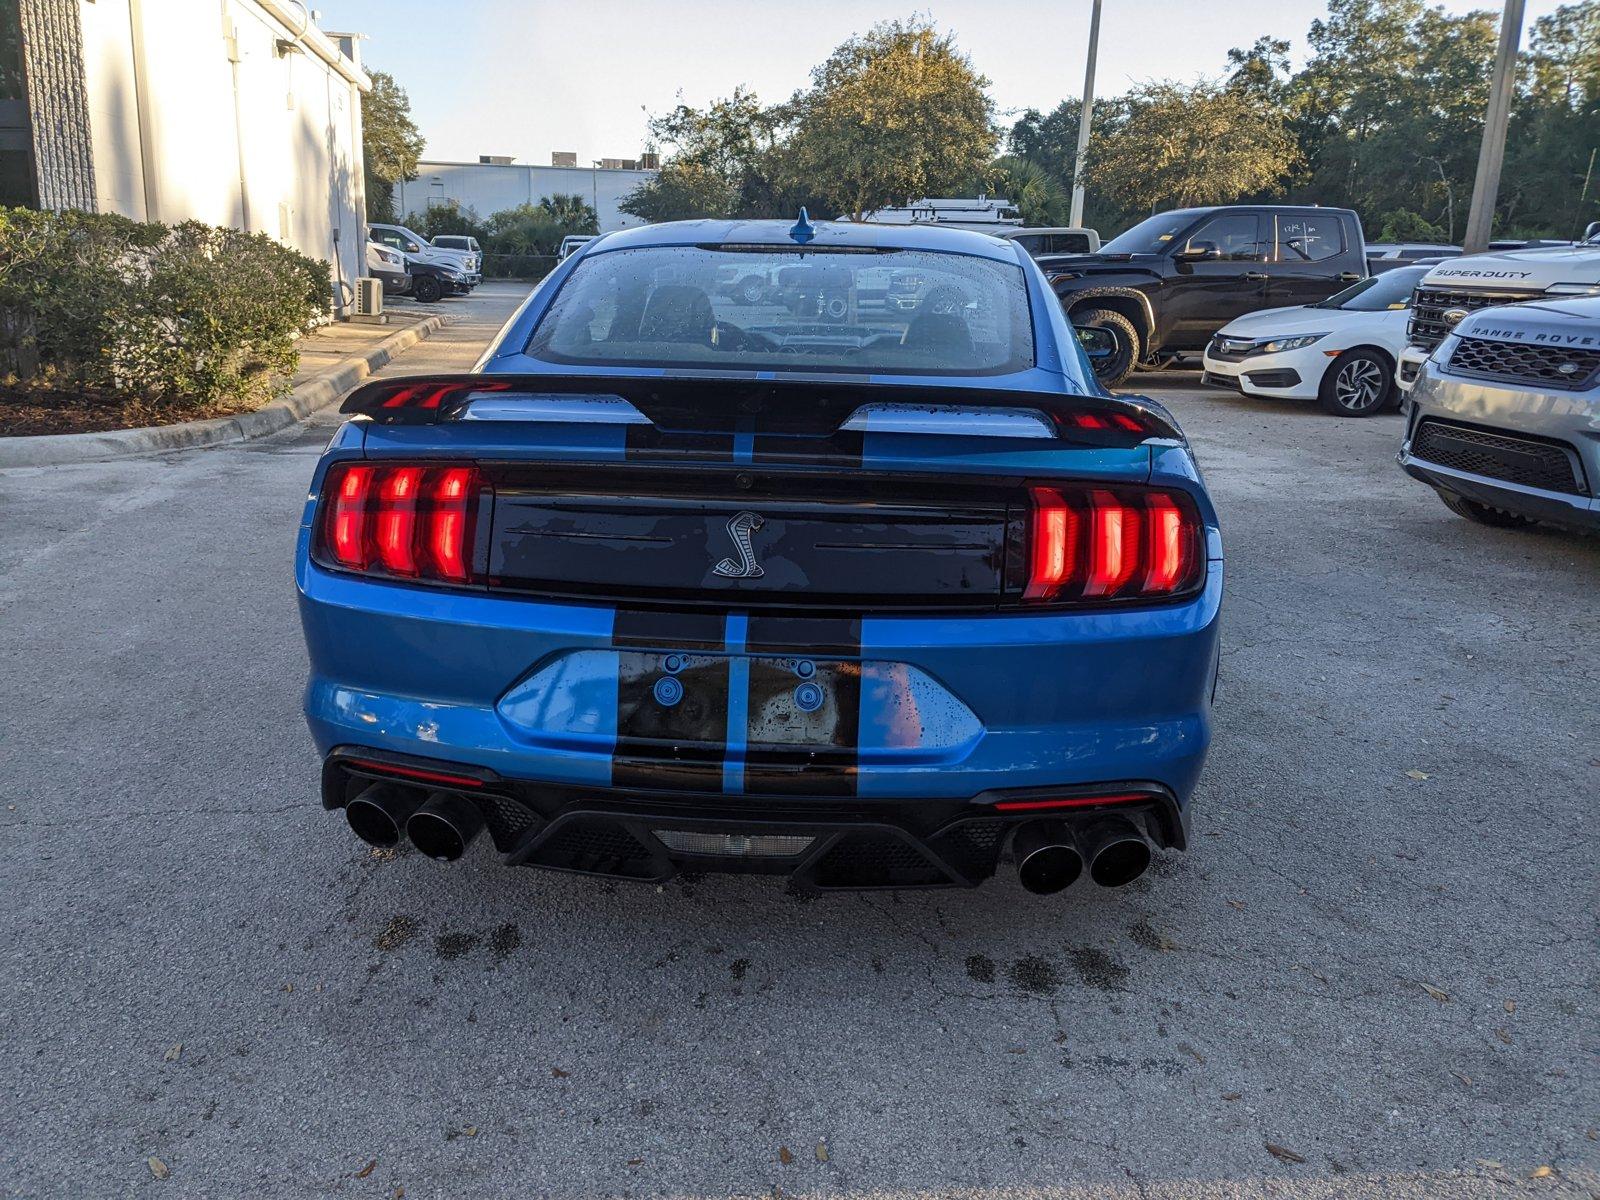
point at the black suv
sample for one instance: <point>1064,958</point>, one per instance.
<point>1169,283</point>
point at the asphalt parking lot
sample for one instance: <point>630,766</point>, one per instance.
<point>1374,975</point>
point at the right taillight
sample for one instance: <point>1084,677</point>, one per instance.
<point>1096,544</point>
<point>404,520</point>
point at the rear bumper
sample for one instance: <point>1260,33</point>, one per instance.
<point>995,701</point>
<point>821,845</point>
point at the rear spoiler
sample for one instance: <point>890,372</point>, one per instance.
<point>720,404</point>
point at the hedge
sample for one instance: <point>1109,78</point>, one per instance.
<point>186,316</point>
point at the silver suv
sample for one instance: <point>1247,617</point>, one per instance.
<point>1505,415</point>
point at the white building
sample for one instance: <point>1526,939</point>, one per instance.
<point>493,187</point>
<point>231,112</point>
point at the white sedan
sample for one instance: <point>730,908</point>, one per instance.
<point>1341,351</point>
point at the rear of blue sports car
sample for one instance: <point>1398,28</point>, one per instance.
<point>856,577</point>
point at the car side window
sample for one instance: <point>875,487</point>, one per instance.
<point>390,238</point>
<point>1308,238</point>
<point>1236,235</point>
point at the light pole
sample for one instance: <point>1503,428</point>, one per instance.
<point>1084,116</point>
<point>1492,155</point>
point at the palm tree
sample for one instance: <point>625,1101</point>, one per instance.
<point>1037,194</point>
<point>571,212</point>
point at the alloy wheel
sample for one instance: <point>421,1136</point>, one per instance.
<point>1359,385</point>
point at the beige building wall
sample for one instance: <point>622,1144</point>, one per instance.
<point>231,112</point>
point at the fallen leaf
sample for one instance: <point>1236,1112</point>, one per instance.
<point>1491,1164</point>
<point>399,1193</point>
<point>470,1131</point>
<point>1466,1079</point>
<point>559,1073</point>
<point>1592,1134</point>
<point>1441,997</point>
<point>1511,1006</point>
<point>634,1162</point>
<point>172,1055</point>
<point>1540,1173</point>
<point>1231,1095</point>
<point>288,987</point>
<point>1418,775</point>
<point>367,1170</point>
<point>785,1156</point>
<point>1192,1053</point>
<point>1283,1153</point>
<point>1239,904</point>
<point>1503,1036</point>
<point>157,1167</point>
<point>822,1151</point>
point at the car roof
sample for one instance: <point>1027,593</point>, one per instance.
<point>827,235</point>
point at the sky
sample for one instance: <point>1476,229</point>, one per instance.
<point>527,77</point>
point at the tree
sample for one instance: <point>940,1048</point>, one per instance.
<point>1182,145</point>
<point>721,162</point>
<point>390,143</point>
<point>573,213</point>
<point>1403,225</point>
<point>892,116</point>
<point>1036,193</point>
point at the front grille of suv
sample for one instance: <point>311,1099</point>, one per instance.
<point>1550,466</point>
<point>1428,327</point>
<point>1544,367</point>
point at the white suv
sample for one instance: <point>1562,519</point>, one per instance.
<point>1453,289</point>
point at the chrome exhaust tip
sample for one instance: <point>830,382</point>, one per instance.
<point>379,814</point>
<point>1118,853</point>
<point>1048,860</point>
<point>444,826</point>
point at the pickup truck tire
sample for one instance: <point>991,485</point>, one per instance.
<point>426,289</point>
<point>1358,383</point>
<point>1498,518</point>
<point>1117,363</point>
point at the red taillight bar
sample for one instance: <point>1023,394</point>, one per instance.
<point>1069,802</point>
<point>406,520</point>
<point>417,773</point>
<point>1093,544</point>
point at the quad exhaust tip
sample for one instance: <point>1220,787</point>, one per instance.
<point>1048,858</point>
<point>444,826</point>
<point>1118,853</point>
<point>379,814</point>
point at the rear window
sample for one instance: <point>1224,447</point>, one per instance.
<point>761,308</point>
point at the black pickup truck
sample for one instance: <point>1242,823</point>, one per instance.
<point>1169,283</point>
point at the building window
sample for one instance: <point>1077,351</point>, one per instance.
<point>16,130</point>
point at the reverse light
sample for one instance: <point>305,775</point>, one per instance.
<point>1098,544</point>
<point>410,521</point>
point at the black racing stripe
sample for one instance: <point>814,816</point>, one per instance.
<point>773,634</point>
<point>677,741</point>
<point>790,750</point>
<point>660,630</point>
<point>645,442</point>
<point>843,448</point>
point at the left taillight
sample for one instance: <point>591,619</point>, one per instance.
<point>1089,545</point>
<point>400,520</point>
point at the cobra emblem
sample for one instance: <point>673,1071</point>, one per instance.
<point>740,527</point>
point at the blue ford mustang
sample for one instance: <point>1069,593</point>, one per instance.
<point>812,550</point>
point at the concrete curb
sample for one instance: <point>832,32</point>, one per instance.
<point>48,450</point>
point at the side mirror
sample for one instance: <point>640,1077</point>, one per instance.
<point>1199,252</point>
<point>413,248</point>
<point>1592,232</point>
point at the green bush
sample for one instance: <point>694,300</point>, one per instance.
<point>517,243</point>
<point>184,317</point>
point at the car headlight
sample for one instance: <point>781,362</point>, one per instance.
<point>1573,289</point>
<point>451,273</point>
<point>1298,342</point>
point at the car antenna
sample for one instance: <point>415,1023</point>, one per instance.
<point>803,230</point>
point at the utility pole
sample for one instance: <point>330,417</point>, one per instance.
<point>1086,113</point>
<point>1491,157</point>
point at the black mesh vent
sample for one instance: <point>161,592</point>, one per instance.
<point>505,817</point>
<point>875,860</point>
<point>1549,367</point>
<point>971,847</point>
<point>1545,465</point>
<point>596,844</point>
<point>1428,326</point>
